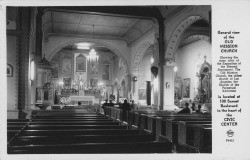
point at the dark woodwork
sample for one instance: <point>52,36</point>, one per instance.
<point>23,45</point>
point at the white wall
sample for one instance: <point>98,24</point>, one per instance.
<point>189,59</point>
<point>12,84</point>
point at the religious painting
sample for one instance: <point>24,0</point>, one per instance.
<point>9,70</point>
<point>186,88</point>
<point>142,94</point>
<point>93,82</point>
<point>105,72</point>
<point>54,70</point>
<point>66,66</point>
<point>67,82</point>
<point>80,63</point>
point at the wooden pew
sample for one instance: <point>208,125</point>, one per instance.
<point>13,129</point>
<point>68,139</point>
<point>68,133</point>
<point>137,120</point>
<point>203,138</point>
<point>79,132</point>
<point>129,147</point>
<point>186,135</point>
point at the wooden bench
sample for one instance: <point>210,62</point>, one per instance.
<point>79,132</point>
<point>172,127</point>
<point>52,132</point>
<point>203,138</point>
<point>77,148</point>
<point>68,139</point>
<point>186,135</point>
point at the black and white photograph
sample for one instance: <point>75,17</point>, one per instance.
<point>186,100</point>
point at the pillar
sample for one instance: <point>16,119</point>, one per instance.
<point>168,87</point>
<point>24,25</point>
<point>161,63</point>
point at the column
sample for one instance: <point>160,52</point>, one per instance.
<point>168,87</point>
<point>24,25</point>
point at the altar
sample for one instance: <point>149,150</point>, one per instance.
<point>85,100</point>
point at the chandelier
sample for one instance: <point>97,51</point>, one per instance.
<point>92,54</point>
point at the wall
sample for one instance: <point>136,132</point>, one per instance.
<point>12,59</point>
<point>120,73</point>
<point>189,59</point>
<point>55,44</point>
<point>139,48</point>
<point>144,73</point>
<point>12,84</point>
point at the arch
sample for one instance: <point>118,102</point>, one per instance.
<point>139,54</point>
<point>196,37</point>
<point>176,36</point>
<point>112,48</point>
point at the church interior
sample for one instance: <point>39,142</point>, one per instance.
<point>99,79</point>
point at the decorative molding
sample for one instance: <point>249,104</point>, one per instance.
<point>176,36</point>
<point>169,62</point>
<point>139,54</point>
<point>16,71</point>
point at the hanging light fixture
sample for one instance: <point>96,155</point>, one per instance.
<point>92,54</point>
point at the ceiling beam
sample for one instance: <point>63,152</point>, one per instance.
<point>140,12</point>
<point>86,36</point>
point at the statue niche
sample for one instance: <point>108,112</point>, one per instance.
<point>205,83</point>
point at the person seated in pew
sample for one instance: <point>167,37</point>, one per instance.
<point>186,109</point>
<point>104,105</point>
<point>193,106</point>
<point>125,109</point>
<point>199,109</point>
<point>111,104</point>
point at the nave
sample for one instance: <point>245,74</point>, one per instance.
<point>75,132</point>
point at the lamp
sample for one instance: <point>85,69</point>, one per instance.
<point>175,69</point>
<point>92,54</point>
<point>134,79</point>
<point>152,60</point>
<point>32,70</point>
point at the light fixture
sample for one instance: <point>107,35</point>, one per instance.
<point>175,69</point>
<point>83,45</point>
<point>92,54</point>
<point>152,60</point>
<point>134,79</point>
<point>32,70</point>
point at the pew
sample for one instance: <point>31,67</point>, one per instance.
<point>67,139</point>
<point>186,135</point>
<point>203,138</point>
<point>172,128</point>
<point>77,148</point>
<point>81,134</point>
<point>164,124</point>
